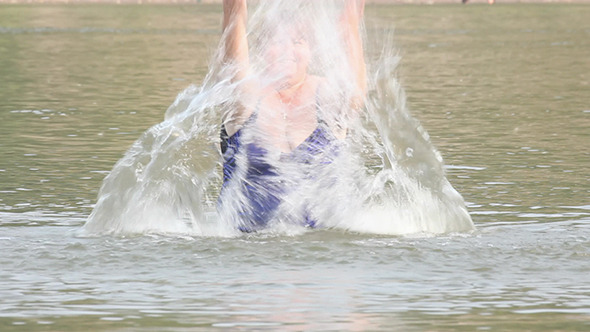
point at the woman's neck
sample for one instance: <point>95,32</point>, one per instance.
<point>289,94</point>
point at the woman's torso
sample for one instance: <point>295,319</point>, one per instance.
<point>273,153</point>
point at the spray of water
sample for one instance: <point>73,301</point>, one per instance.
<point>386,178</point>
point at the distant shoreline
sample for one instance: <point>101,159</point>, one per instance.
<point>179,2</point>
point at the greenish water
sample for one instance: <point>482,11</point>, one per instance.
<point>502,90</point>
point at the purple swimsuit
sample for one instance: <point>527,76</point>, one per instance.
<point>263,185</point>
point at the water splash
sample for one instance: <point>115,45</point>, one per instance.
<point>389,179</point>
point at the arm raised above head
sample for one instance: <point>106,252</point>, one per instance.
<point>235,54</point>
<point>351,20</point>
<point>235,43</point>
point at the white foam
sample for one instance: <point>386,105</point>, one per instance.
<point>390,180</point>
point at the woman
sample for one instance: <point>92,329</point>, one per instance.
<point>280,131</point>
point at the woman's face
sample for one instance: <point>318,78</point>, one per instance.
<point>287,57</point>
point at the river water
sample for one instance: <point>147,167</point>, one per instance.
<point>502,90</point>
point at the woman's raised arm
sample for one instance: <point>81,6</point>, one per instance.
<point>351,20</point>
<point>235,15</point>
<point>235,54</point>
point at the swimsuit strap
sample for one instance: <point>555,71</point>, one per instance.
<point>225,138</point>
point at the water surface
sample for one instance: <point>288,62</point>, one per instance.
<point>502,90</point>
